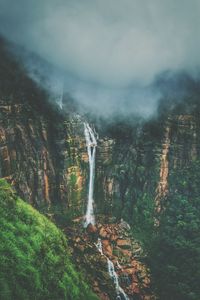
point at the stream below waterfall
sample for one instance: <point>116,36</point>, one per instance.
<point>121,295</point>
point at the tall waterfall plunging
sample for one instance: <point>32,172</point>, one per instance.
<point>91,143</point>
<point>91,149</point>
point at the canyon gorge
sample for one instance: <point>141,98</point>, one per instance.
<point>54,157</point>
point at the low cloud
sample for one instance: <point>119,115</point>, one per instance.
<point>109,46</point>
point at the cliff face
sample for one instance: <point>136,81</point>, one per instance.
<point>43,154</point>
<point>46,171</point>
<point>36,151</point>
<point>43,151</point>
<point>42,159</point>
<point>25,152</point>
<point>180,146</point>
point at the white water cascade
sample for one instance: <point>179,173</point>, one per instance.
<point>89,218</point>
<point>91,149</point>
<point>121,295</point>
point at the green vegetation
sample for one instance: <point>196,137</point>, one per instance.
<point>173,247</point>
<point>143,220</point>
<point>34,260</point>
<point>175,255</point>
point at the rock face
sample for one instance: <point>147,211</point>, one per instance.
<point>26,156</point>
<point>43,154</point>
<point>43,151</point>
<point>39,153</point>
<point>125,253</point>
<point>180,145</point>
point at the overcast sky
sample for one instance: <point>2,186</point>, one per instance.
<point>114,44</point>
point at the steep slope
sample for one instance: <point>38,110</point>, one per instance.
<point>34,258</point>
<point>38,150</point>
<point>43,151</point>
<point>28,157</point>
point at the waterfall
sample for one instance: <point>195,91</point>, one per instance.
<point>89,218</point>
<point>120,292</point>
<point>91,149</point>
<point>99,246</point>
<point>121,295</point>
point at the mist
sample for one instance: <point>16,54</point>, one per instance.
<point>108,52</point>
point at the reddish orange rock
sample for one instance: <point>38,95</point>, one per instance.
<point>113,237</point>
<point>107,249</point>
<point>103,233</point>
<point>91,228</point>
<point>105,243</point>
<point>135,288</point>
<point>125,244</point>
<point>129,271</point>
<point>126,253</point>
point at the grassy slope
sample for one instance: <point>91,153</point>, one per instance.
<point>34,261</point>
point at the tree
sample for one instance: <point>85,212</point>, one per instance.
<point>175,256</point>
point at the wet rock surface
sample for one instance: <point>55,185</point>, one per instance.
<point>117,245</point>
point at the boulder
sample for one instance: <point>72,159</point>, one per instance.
<point>103,233</point>
<point>91,229</point>
<point>124,244</point>
<point>107,249</point>
<point>113,237</point>
<point>105,243</point>
<point>129,271</point>
<point>126,253</point>
<point>135,288</point>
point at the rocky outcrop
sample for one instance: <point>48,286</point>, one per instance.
<point>120,247</point>
<point>47,160</point>
<point>184,139</point>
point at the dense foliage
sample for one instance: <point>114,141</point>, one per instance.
<point>143,220</point>
<point>34,261</point>
<point>175,256</point>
